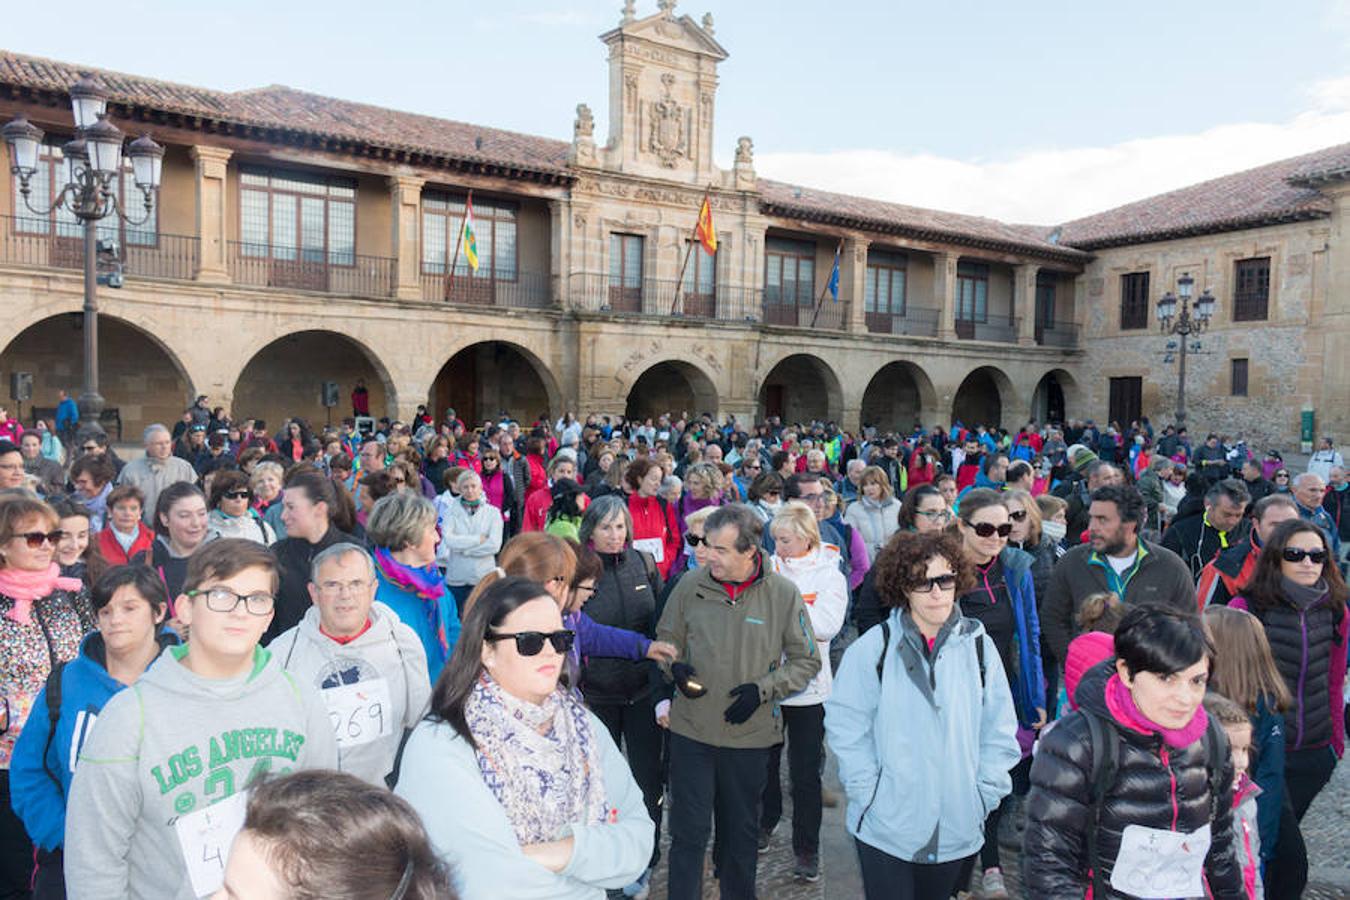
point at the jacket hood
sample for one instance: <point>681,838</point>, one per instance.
<point>823,557</point>
<point>1015,560</point>
<point>380,630</point>
<point>169,674</point>
<point>1091,692</point>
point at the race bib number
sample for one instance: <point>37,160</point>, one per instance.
<point>1154,864</point>
<point>360,713</point>
<point>654,546</point>
<point>205,837</point>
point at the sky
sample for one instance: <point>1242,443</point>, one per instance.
<point>1029,112</point>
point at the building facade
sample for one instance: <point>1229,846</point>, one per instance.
<point>301,239</point>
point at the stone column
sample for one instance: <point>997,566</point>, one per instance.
<point>405,208</point>
<point>211,166</point>
<point>1024,303</point>
<point>560,250</point>
<point>944,293</point>
<point>853,273</point>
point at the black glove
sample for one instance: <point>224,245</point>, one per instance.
<point>686,680</point>
<point>745,704</point>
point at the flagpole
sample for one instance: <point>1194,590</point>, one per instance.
<point>838,253</point>
<point>679,282</point>
<point>450,284</point>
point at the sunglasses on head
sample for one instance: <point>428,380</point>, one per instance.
<point>238,495</point>
<point>35,538</point>
<point>1295,554</point>
<point>988,529</point>
<point>928,585</point>
<point>531,643</point>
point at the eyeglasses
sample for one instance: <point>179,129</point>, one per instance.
<point>695,539</point>
<point>338,588</point>
<point>224,600</point>
<point>937,515</point>
<point>988,529</point>
<point>1018,516</point>
<point>585,588</point>
<point>36,538</point>
<point>749,468</point>
<point>938,582</point>
<point>238,495</point>
<point>812,499</point>
<point>1281,474</point>
<point>1294,554</point>
<point>530,643</point>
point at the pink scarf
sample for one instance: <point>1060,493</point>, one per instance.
<point>24,586</point>
<point>1120,702</point>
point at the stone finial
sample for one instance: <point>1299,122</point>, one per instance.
<point>743,171</point>
<point>708,23</point>
<point>584,126</point>
<point>667,8</point>
<point>582,151</point>
<point>745,150</point>
<point>629,12</point>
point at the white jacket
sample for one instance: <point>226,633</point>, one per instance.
<point>469,543</point>
<point>824,589</point>
<point>250,526</point>
<point>876,521</point>
<point>389,653</point>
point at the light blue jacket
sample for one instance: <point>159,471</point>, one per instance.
<point>469,829</point>
<point>925,758</point>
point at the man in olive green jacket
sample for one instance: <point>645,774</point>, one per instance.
<point>745,642</point>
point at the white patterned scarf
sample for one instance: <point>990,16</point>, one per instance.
<point>540,761</point>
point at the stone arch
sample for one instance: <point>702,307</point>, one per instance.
<point>801,387</point>
<point>285,378</point>
<point>139,375</point>
<point>1056,398</point>
<point>485,378</point>
<point>897,396</point>
<point>983,398</point>
<point>671,386</point>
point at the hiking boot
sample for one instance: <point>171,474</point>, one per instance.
<point>992,886</point>
<point>807,869</point>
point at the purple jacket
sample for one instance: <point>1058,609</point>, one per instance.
<point>594,639</point>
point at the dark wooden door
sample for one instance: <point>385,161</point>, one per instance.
<point>1126,399</point>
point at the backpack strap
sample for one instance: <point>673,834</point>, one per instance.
<point>979,658</point>
<point>53,693</point>
<point>885,644</point>
<point>1216,754</point>
<point>1105,744</point>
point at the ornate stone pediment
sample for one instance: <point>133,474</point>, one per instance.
<point>668,126</point>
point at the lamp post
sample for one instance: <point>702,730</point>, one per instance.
<point>1184,324</point>
<point>89,192</point>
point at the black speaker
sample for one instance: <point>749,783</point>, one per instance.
<point>21,386</point>
<point>330,394</point>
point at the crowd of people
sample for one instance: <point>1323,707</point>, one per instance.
<point>438,659</point>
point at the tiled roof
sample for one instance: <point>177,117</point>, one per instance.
<point>286,109</point>
<point>846,210</point>
<point>1278,192</point>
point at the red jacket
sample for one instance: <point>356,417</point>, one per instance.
<point>536,509</point>
<point>112,551</point>
<point>653,519</point>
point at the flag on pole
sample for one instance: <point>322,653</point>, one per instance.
<point>834,276</point>
<point>704,231</point>
<point>470,242</point>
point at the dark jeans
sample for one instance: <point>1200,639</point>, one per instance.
<point>50,881</point>
<point>634,729</point>
<point>1306,772</point>
<point>16,851</point>
<point>702,775</point>
<point>461,593</point>
<point>887,877</point>
<point>1287,873</point>
<point>804,727</point>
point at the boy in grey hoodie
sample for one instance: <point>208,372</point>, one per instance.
<point>160,789</point>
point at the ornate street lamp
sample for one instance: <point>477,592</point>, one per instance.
<point>90,193</point>
<point>1184,324</point>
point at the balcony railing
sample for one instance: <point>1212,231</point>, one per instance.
<point>920,321</point>
<point>61,246</point>
<point>523,290</point>
<point>1001,329</point>
<point>304,270</point>
<point>654,297</point>
<point>1057,334</point>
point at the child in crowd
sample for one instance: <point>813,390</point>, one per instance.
<point>1246,836</point>
<point>1097,621</point>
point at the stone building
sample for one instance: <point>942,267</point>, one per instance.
<point>302,239</point>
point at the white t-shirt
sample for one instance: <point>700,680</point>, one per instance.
<point>1121,563</point>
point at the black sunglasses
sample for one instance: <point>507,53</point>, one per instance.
<point>1294,554</point>
<point>238,495</point>
<point>988,529</point>
<point>945,582</point>
<point>35,538</point>
<point>531,643</point>
<point>695,539</point>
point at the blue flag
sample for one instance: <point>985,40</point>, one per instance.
<point>834,277</point>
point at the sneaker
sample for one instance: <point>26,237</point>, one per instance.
<point>807,869</point>
<point>639,889</point>
<point>765,835</point>
<point>992,886</point>
<point>828,798</point>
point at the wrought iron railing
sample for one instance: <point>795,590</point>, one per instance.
<point>521,290</point>
<point>1057,334</point>
<point>1002,329</point>
<point>920,321</point>
<point>37,241</point>
<point>261,265</point>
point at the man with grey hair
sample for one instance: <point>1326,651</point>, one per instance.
<point>369,667</point>
<point>1309,490</point>
<point>1199,536</point>
<point>849,487</point>
<point>158,469</point>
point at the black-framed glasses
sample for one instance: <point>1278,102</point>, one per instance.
<point>937,515</point>
<point>1018,516</point>
<point>238,495</point>
<point>937,582</point>
<point>1297,554</point>
<point>223,600</point>
<point>989,529</point>
<point>695,539</point>
<point>34,539</point>
<point>531,643</point>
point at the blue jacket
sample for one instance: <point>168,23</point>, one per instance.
<point>415,612</point>
<point>67,413</point>
<point>1028,682</point>
<point>923,756</point>
<point>38,763</point>
<point>1268,773</point>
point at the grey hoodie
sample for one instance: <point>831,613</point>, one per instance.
<point>172,744</point>
<point>387,651</point>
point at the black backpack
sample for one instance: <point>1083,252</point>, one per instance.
<point>886,642</point>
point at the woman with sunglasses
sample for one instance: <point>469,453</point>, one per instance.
<point>1004,600</point>
<point>43,616</point>
<point>1299,596</point>
<point>231,513</point>
<point>522,790</point>
<point>922,722</point>
<point>1281,481</point>
<point>766,495</point>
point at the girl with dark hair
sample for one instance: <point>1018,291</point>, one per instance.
<point>180,528</point>
<point>516,781</point>
<point>1157,823</point>
<point>308,509</point>
<point>73,552</point>
<point>924,509</point>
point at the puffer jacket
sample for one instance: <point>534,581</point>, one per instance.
<point>875,521</point>
<point>1155,786</point>
<point>625,597</point>
<point>824,590</point>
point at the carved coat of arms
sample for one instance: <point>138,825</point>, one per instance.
<point>668,137</point>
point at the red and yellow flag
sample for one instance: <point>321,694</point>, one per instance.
<point>704,231</point>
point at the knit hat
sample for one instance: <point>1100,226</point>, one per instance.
<point>1081,457</point>
<point>1085,651</point>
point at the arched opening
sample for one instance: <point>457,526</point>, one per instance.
<point>896,397</point>
<point>286,378</point>
<point>801,388</point>
<point>488,379</point>
<point>138,376</point>
<point>979,399</point>
<point>1055,396</point>
<point>671,387</point>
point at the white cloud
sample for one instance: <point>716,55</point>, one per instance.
<point>1055,185</point>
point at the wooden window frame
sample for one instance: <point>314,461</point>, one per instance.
<point>797,255</point>
<point>328,182</point>
<point>487,211</point>
<point>1134,301</point>
<point>1239,377</point>
<point>53,161</point>
<point>1251,289</point>
<point>974,275</point>
<point>622,297</point>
